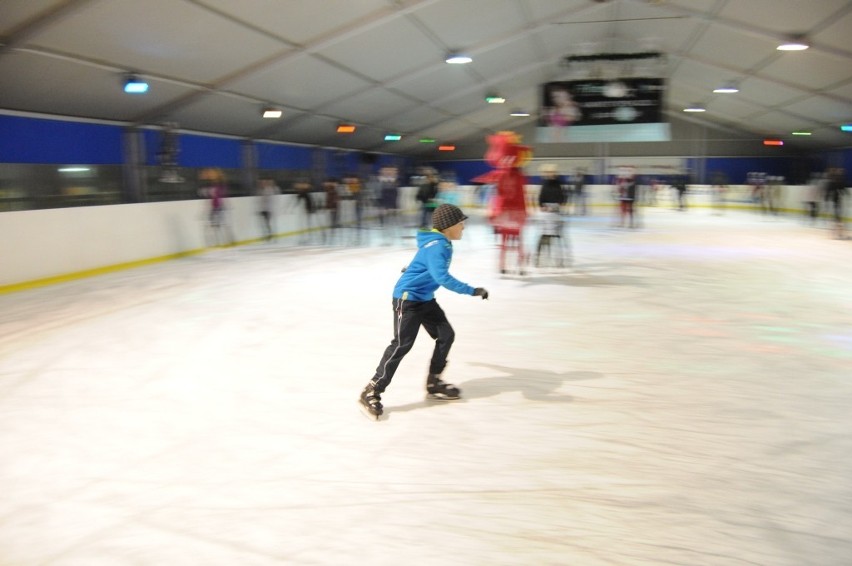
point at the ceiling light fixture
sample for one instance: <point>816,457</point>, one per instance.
<point>728,88</point>
<point>773,142</point>
<point>695,108</point>
<point>454,58</point>
<point>846,128</point>
<point>494,99</point>
<point>134,85</point>
<point>795,43</point>
<point>393,137</point>
<point>801,133</point>
<point>345,128</point>
<point>519,112</point>
<point>272,112</point>
<point>446,147</point>
<point>427,140</point>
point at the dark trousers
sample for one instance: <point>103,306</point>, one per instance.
<point>426,210</point>
<point>408,316</point>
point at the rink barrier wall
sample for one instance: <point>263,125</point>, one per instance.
<point>46,247</point>
<point>51,246</point>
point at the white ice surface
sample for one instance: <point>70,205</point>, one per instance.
<point>680,396</point>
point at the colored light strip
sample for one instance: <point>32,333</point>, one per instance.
<point>392,137</point>
<point>446,148</point>
<point>427,140</point>
<point>345,129</point>
<point>773,142</point>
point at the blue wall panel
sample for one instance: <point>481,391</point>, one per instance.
<point>738,168</point>
<point>204,151</point>
<point>36,140</point>
<point>197,150</point>
<point>278,156</point>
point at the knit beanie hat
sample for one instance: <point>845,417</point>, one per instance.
<point>447,215</point>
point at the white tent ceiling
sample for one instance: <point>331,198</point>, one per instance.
<point>212,64</point>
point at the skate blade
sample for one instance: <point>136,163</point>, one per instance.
<point>366,412</point>
<point>440,397</point>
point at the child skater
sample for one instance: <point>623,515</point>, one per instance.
<point>414,305</point>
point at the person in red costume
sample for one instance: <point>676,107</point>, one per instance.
<point>508,211</point>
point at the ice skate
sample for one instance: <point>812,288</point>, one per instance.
<point>371,402</point>
<point>437,389</point>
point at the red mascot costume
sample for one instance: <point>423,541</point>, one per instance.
<point>508,210</point>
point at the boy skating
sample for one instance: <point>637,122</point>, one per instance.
<point>414,305</point>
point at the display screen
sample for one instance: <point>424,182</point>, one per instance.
<point>617,109</point>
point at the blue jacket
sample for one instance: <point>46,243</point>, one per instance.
<point>429,270</point>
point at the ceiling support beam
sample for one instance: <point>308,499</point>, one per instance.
<point>40,22</point>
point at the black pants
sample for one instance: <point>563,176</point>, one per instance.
<point>408,316</point>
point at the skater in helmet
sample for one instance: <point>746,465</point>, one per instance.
<point>414,305</point>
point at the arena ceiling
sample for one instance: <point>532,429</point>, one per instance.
<point>379,64</point>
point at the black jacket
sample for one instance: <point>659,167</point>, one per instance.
<point>551,192</point>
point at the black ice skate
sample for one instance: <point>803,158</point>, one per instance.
<point>371,402</point>
<point>436,388</point>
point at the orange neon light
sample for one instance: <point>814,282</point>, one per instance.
<point>446,148</point>
<point>345,129</point>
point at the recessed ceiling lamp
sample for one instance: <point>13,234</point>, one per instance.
<point>695,108</point>
<point>454,58</point>
<point>846,128</point>
<point>519,112</point>
<point>134,85</point>
<point>493,98</point>
<point>272,112</point>
<point>795,43</point>
<point>728,88</point>
<point>393,137</point>
<point>345,128</point>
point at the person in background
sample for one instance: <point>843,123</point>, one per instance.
<point>679,184</point>
<point>719,186</point>
<point>552,191</point>
<point>266,191</point>
<point>551,199</point>
<point>388,197</point>
<point>354,189</point>
<point>578,192</point>
<point>331,190</point>
<point>812,197</point>
<point>306,202</point>
<point>214,187</point>
<point>835,191</point>
<point>626,190</point>
<point>426,195</point>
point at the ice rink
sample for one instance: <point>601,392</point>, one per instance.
<point>681,395</point>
